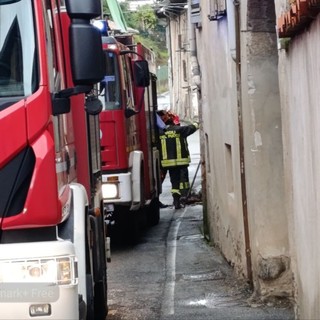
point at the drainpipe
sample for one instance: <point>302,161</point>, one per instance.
<point>171,79</point>
<point>235,9</point>
<point>195,70</point>
<point>196,80</point>
<point>231,28</point>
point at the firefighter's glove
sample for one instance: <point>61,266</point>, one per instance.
<point>196,124</point>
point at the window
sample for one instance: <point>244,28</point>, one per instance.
<point>218,9</point>
<point>109,87</point>
<point>207,153</point>
<point>184,70</point>
<point>195,15</point>
<point>54,82</point>
<point>53,72</point>
<point>17,50</point>
<point>229,169</point>
<point>128,83</point>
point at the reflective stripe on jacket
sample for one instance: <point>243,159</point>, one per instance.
<point>174,145</point>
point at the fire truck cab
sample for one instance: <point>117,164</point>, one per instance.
<point>52,230</point>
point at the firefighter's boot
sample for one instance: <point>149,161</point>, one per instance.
<point>184,197</point>
<point>176,201</point>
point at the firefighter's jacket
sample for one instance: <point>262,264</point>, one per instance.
<point>174,145</point>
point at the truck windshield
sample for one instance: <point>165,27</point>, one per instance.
<point>17,49</point>
<point>109,90</point>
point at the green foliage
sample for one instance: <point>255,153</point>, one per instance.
<point>160,51</point>
<point>143,19</point>
<point>151,34</point>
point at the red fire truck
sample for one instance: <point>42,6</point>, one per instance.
<point>52,229</point>
<point>129,145</point>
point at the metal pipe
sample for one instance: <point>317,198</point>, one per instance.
<point>195,69</point>
<point>241,144</point>
<point>194,179</point>
<point>231,28</point>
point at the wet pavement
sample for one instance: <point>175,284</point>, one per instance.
<point>174,273</point>
<point>199,283</point>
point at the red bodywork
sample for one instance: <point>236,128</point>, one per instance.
<point>121,135</point>
<point>118,138</point>
<point>117,133</point>
<point>33,126</point>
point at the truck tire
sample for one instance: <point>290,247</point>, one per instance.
<point>90,298</point>
<point>135,218</point>
<point>133,227</point>
<point>100,301</point>
<point>100,267</point>
<point>154,212</point>
<point>82,308</point>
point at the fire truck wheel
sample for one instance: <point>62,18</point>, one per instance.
<point>154,212</point>
<point>82,308</point>
<point>99,267</point>
<point>90,297</point>
<point>100,308</point>
<point>134,227</point>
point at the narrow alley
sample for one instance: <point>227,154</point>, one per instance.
<point>175,273</point>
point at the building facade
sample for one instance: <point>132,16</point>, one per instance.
<point>249,69</point>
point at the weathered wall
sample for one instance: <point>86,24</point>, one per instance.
<point>242,111</point>
<point>259,110</point>
<point>279,130</point>
<point>220,133</point>
<point>179,60</point>
<point>299,70</point>
<point>263,150</point>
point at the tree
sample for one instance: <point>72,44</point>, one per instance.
<point>144,18</point>
<point>151,34</point>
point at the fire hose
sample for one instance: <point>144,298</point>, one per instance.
<point>193,180</point>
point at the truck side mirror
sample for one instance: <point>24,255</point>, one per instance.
<point>141,73</point>
<point>87,59</point>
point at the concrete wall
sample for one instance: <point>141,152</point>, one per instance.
<point>220,134</point>
<point>243,111</point>
<point>299,76</point>
<point>241,136</point>
<point>182,87</point>
<point>179,61</point>
<point>260,145</point>
<point>263,150</point>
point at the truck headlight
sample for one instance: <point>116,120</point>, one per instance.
<point>110,190</point>
<point>61,271</point>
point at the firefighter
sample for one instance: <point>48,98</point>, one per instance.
<point>175,156</point>
<point>184,171</point>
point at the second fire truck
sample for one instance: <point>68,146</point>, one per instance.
<point>129,137</point>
